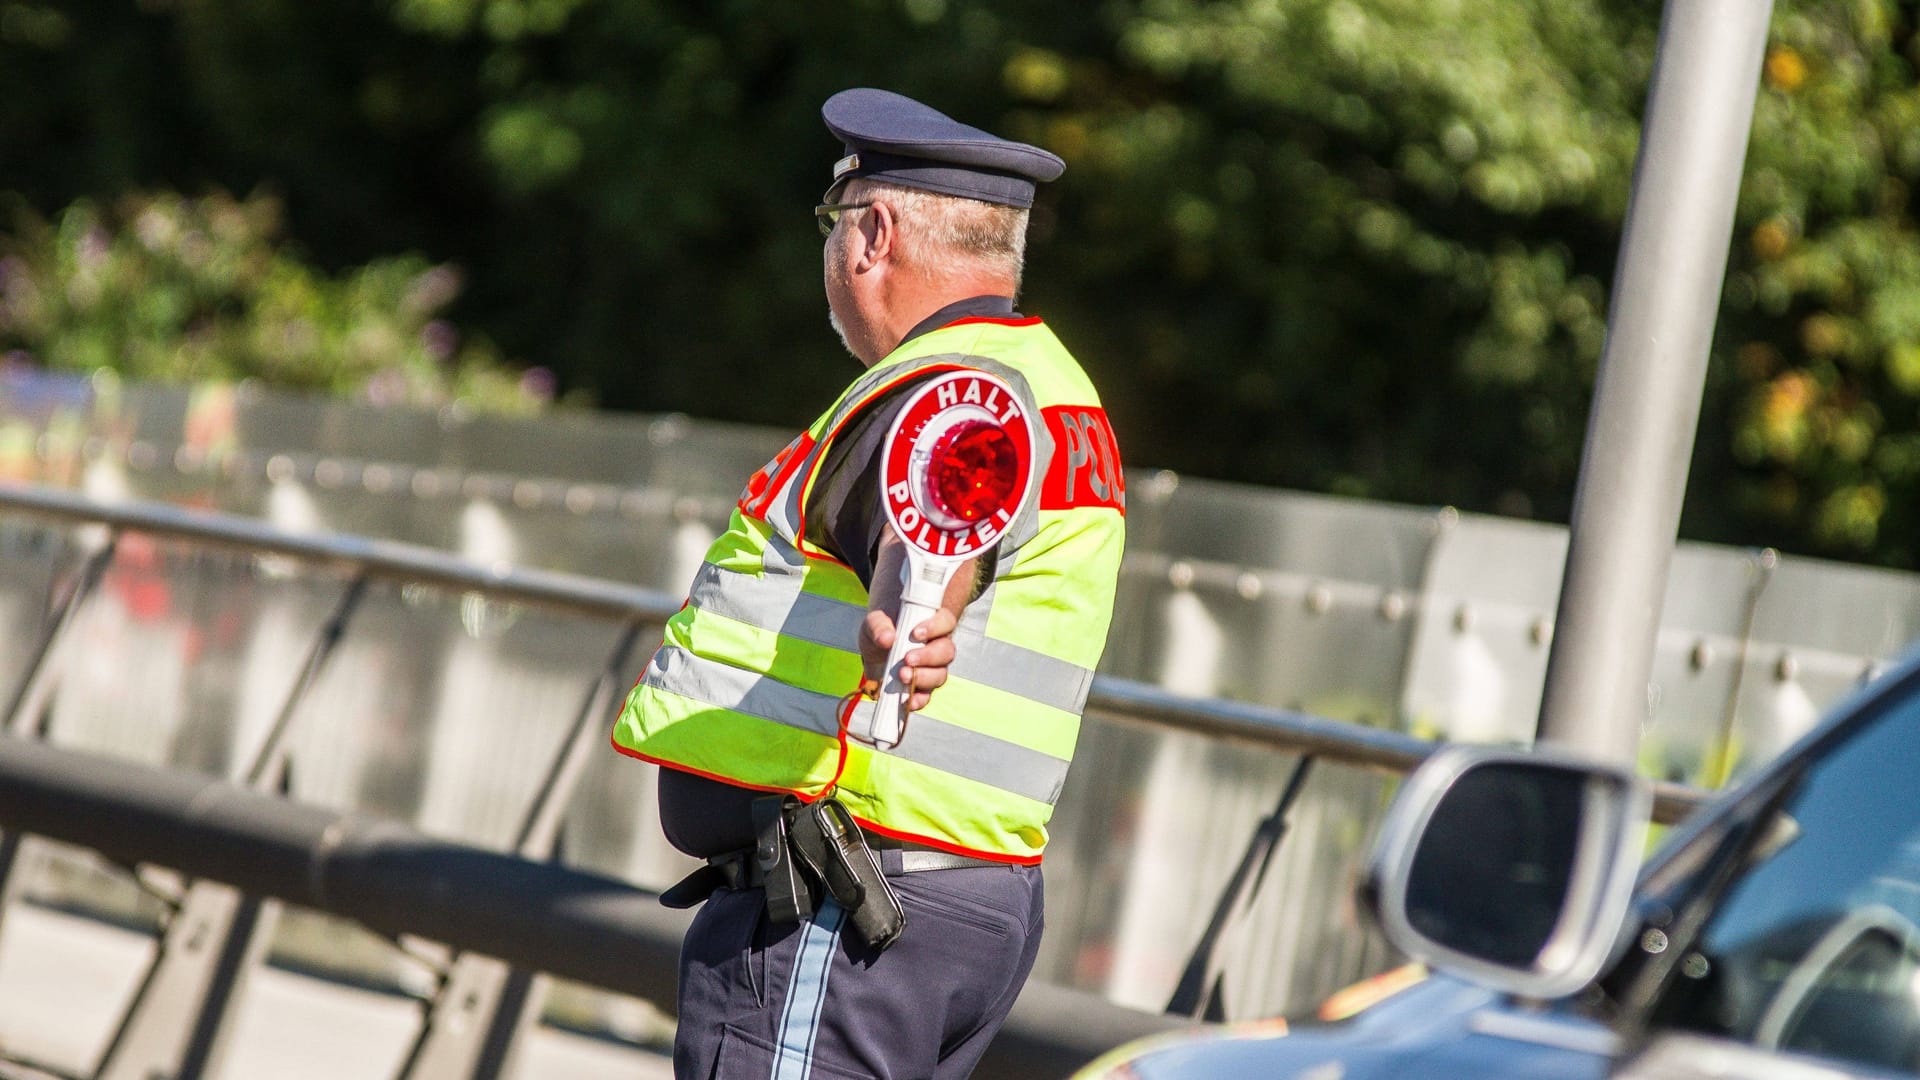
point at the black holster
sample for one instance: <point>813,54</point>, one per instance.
<point>789,899</point>
<point>801,853</point>
<point>828,842</point>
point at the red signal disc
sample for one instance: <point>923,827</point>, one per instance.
<point>973,470</point>
<point>958,464</point>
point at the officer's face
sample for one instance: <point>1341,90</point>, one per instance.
<point>839,281</point>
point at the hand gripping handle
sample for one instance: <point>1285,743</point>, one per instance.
<point>926,586</point>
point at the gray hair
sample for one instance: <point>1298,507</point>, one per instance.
<point>939,231</point>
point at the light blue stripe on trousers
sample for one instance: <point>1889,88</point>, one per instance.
<point>807,992</point>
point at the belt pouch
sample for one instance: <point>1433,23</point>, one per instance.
<point>850,872</point>
<point>788,900</point>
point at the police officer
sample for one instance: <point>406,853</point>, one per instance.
<point>788,969</point>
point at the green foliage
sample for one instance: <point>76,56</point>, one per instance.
<point>1360,246</point>
<point>1822,312</point>
<point>201,290</point>
<point>1361,227</point>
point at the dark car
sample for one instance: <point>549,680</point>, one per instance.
<point>1776,933</point>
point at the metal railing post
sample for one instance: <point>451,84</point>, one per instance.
<point>26,709</point>
<point>1201,992</point>
<point>474,1021</point>
<point>29,697</point>
<point>176,1024</point>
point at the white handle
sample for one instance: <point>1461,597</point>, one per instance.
<point>890,712</point>
<point>926,586</point>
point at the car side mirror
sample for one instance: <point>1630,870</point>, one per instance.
<point>1510,868</point>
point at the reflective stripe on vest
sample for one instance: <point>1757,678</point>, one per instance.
<point>944,746</point>
<point>749,680</point>
<point>779,604</point>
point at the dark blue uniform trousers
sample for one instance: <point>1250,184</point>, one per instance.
<point>810,1001</point>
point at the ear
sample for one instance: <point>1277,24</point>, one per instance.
<point>878,234</point>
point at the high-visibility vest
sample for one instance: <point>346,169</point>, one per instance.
<point>751,681</point>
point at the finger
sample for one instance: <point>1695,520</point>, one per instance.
<point>876,641</point>
<point>937,625</point>
<point>939,654</point>
<point>929,679</point>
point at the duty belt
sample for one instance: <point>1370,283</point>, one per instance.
<point>737,869</point>
<point>806,851</point>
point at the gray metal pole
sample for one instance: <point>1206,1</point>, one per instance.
<point>1666,293</point>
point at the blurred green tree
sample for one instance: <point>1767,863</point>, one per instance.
<point>1360,246</point>
<point>1821,318</point>
<point>202,290</point>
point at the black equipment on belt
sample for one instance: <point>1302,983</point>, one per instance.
<point>802,849</point>
<point>827,839</point>
<point>788,898</point>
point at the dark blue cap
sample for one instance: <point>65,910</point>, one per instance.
<point>896,139</point>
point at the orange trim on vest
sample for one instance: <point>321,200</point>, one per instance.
<point>826,557</point>
<point>727,780</point>
<point>950,848</point>
<point>755,500</point>
<point>1030,320</point>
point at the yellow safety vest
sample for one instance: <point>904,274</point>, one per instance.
<point>750,682</point>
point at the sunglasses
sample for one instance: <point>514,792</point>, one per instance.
<point>828,214</point>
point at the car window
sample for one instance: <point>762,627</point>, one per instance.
<point>1815,946</point>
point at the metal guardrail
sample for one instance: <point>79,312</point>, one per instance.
<point>1328,740</point>
<point>1113,698</point>
<point>383,559</point>
<point>298,865</point>
<point>397,881</point>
